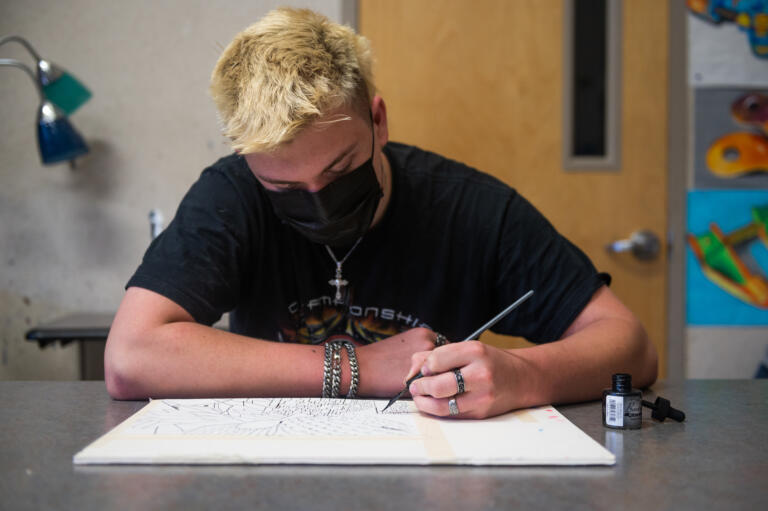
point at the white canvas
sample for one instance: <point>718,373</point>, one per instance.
<point>337,431</point>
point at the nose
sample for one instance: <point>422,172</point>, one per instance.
<point>314,187</point>
<point>318,183</point>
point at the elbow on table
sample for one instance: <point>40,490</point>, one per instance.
<point>118,385</point>
<point>121,376</point>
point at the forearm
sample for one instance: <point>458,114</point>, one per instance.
<point>578,367</point>
<point>186,359</point>
<point>155,349</point>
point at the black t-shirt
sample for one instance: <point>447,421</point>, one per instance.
<point>454,248</point>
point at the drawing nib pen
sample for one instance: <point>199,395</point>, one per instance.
<point>473,335</point>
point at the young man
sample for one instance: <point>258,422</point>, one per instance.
<point>341,256</point>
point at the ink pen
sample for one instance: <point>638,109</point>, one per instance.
<point>473,335</point>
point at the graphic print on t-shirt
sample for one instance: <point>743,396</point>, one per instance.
<point>320,318</point>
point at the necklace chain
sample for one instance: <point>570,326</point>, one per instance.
<point>338,281</point>
<point>333,256</point>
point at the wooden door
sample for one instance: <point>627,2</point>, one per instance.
<point>481,81</point>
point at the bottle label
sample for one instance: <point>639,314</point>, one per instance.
<point>633,412</point>
<point>614,411</point>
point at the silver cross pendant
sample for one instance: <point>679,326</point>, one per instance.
<point>339,282</point>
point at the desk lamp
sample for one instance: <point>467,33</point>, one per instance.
<point>59,87</point>
<point>56,137</point>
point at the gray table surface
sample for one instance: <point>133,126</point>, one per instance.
<point>717,459</point>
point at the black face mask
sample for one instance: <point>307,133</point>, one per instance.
<point>339,213</point>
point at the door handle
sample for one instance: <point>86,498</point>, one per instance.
<point>643,244</point>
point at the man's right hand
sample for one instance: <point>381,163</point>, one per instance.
<point>384,364</point>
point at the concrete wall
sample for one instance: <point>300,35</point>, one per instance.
<point>70,238</point>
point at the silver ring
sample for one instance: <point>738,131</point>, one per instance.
<point>440,340</point>
<point>453,408</point>
<point>459,381</point>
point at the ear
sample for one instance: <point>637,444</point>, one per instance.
<point>379,114</point>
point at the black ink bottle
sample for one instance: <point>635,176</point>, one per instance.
<point>622,405</point>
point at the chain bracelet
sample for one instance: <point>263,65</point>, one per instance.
<point>336,369</point>
<point>354,370</point>
<point>332,369</point>
<point>327,371</point>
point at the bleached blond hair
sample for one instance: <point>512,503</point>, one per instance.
<point>286,71</point>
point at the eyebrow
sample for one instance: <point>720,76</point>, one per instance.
<point>336,160</point>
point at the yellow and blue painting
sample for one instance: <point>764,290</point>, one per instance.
<point>750,16</point>
<point>727,257</point>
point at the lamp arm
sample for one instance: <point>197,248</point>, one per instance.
<point>23,42</point>
<point>21,65</point>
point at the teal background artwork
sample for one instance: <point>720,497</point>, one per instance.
<point>706,302</point>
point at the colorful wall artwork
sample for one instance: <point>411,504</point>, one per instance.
<point>731,138</point>
<point>749,16</point>
<point>726,250</point>
<point>728,43</point>
<point>727,257</point>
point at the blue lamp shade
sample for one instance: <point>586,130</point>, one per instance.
<point>59,141</point>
